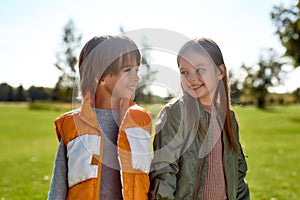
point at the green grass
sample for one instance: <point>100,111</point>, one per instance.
<point>28,145</point>
<point>271,140</point>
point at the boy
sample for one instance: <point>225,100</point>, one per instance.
<point>105,146</point>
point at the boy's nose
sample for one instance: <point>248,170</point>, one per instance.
<point>136,77</point>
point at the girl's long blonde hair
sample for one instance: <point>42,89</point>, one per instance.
<point>221,101</point>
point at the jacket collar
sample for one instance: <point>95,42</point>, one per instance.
<point>87,113</point>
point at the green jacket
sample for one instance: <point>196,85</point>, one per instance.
<point>177,171</point>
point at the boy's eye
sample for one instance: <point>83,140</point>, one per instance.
<point>127,68</point>
<point>183,72</point>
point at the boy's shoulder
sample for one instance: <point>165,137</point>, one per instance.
<point>138,108</point>
<point>136,115</point>
<point>139,113</point>
<point>68,115</point>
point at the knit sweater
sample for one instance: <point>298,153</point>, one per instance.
<point>215,185</point>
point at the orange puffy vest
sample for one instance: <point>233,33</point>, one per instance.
<point>81,134</point>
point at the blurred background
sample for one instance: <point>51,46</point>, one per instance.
<point>40,43</point>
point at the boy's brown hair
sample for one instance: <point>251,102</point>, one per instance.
<point>102,56</point>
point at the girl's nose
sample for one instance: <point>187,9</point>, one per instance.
<point>192,77</point>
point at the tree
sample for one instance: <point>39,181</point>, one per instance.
<point>20,94</point>
<point>39,93</point>
<point>66,62</point>
<point>143,93</point>
<point>6,92</point>
<point>267,73</point>
<point>287,22</point>
<point>235,88</point>
<point>296,94</point>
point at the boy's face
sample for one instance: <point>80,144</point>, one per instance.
<point>123,84</point>
<point>199,76</point>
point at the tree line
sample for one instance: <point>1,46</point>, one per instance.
<point>253,88</point>
<point>269,71</point>
<point>9,93</point>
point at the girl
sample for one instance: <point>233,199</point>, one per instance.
<point>197,153</point>
<point>105,146</point>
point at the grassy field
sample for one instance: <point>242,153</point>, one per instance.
<point>28,146</point>
<point>271,140</point>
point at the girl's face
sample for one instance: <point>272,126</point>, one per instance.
<point>199,76</point>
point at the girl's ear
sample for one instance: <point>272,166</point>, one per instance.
<point>221,71</point>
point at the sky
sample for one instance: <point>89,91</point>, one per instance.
<point>31,31</point>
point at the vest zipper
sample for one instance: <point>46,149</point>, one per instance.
<point>201,166</point>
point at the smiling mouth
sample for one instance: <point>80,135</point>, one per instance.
<point>131,87</point>
<point>194,87</point>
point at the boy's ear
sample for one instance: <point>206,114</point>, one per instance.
<point>102,82</point>
<point>221,71</point>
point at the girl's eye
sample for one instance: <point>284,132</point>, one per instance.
<point>200,70</point>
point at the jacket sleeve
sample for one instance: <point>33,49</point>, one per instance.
<point>242,188</point>
<point>163,183</point>
<point>59,181</point>
<point>164,167</point>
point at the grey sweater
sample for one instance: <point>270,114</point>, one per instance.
<point>111,187</point>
